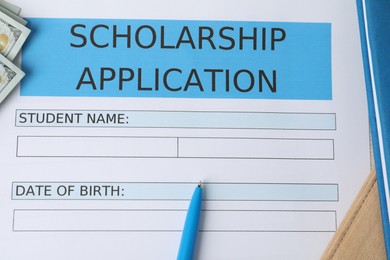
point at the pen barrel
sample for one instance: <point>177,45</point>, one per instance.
<point>190,230</point>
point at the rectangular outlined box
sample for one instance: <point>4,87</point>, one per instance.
<point>176,191</point>
<point>81,220</point>
<point>96,146</point>
<point>256,148</point>
<point>174,147</point>
<point>175,119</point>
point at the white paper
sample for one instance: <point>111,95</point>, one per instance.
<point>278,189</point>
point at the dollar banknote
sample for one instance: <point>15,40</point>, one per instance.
<point>10,76</point>
<point>12,36</point>
<point>12,15</point>
<point>11,7</point>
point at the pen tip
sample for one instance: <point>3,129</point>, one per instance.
<point>200,184</point>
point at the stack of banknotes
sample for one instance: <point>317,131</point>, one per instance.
<point>13,34</point>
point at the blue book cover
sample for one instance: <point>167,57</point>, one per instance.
<point>374,23</point>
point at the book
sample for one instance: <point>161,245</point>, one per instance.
<point>374,22</point>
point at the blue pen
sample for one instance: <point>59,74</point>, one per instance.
<point>190,230</point>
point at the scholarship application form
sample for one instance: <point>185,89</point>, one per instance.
<point>126,105</point>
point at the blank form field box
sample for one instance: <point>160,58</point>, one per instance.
<point>86,146</point>
<point>65,220</point>
<point>269,221</point>
<point>252,148</point>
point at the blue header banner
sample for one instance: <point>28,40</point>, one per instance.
<point>177,59</point>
